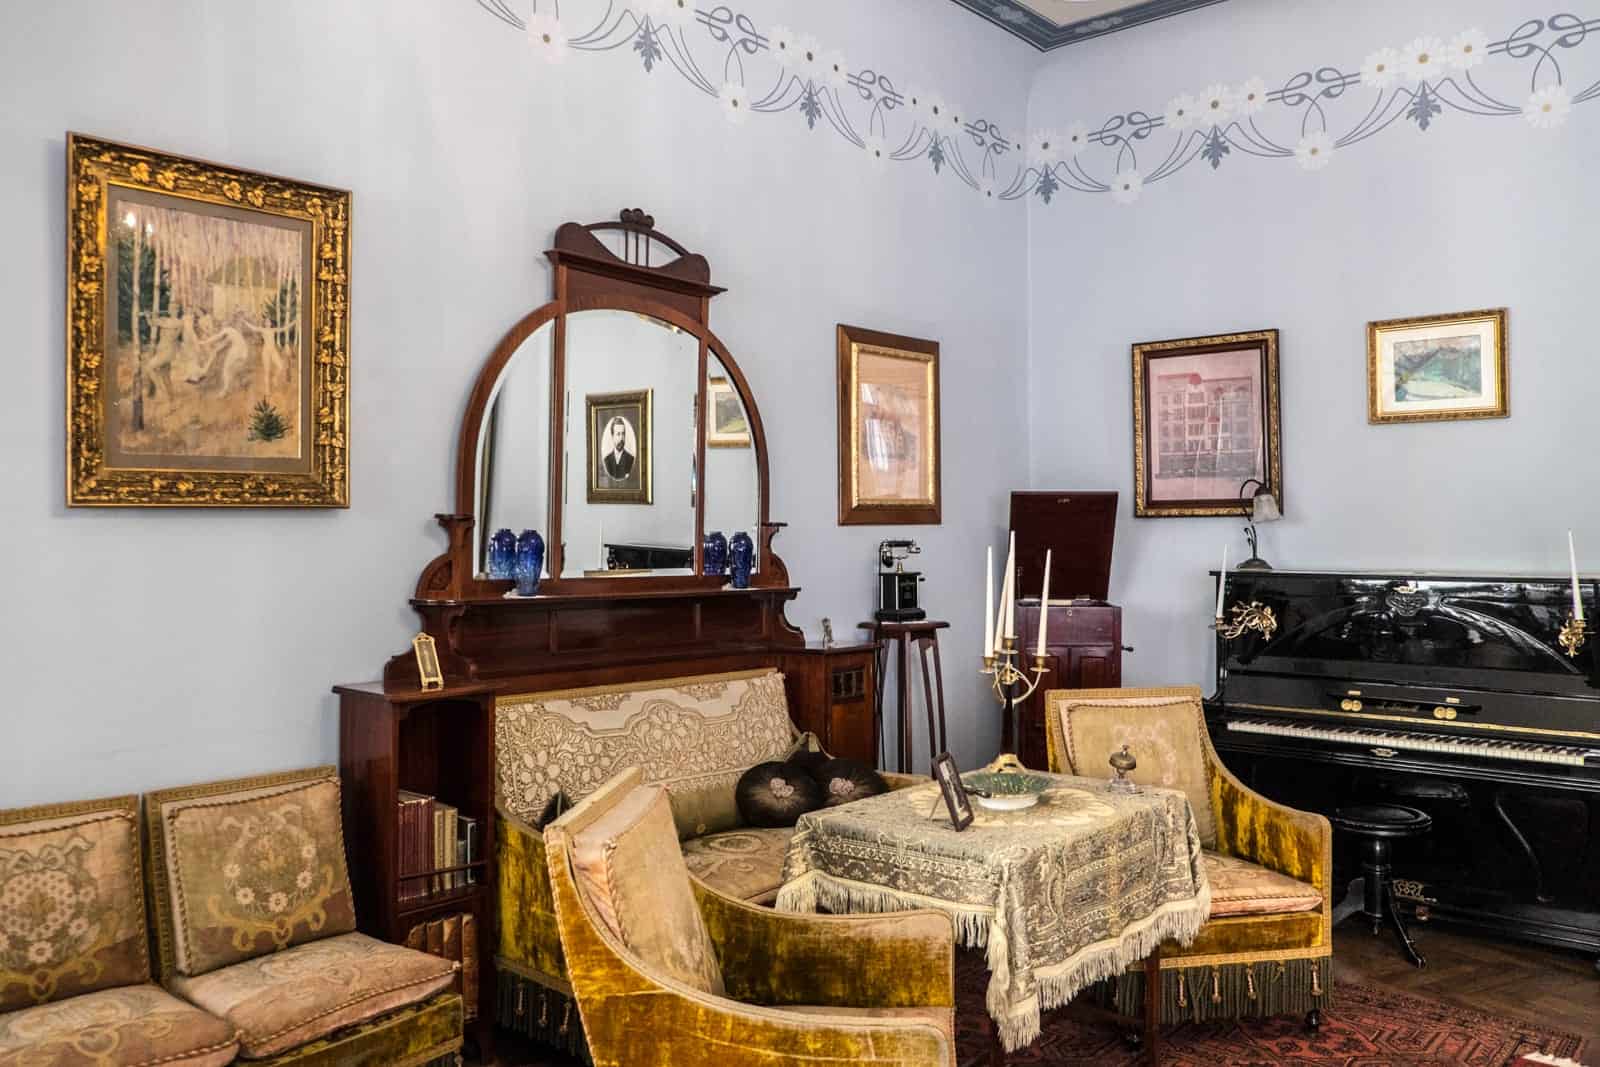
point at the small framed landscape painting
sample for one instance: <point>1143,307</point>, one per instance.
<point>888,429</point>
<point>207,334</point>
<point>726,426</point>
<point>620,448</point>
<point>1438,367</point>
<point>1205,422</point>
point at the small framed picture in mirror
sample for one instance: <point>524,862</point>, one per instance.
<point>620,452</point>
<point>955,794</point>
<point>726,426</point>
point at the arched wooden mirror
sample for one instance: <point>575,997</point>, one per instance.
<point>614,422</point>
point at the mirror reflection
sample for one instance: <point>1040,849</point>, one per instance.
<point>731,481</point>
<point>628,492</point>
<point>513,460</point>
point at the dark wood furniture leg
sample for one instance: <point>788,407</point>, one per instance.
<point>902,692</point>
<point>933,686</point>
<point>1152,1008</point>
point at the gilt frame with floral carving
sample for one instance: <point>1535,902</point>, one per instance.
<point>207,334</point>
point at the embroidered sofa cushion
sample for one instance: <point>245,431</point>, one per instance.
<point>695,736</point>
<point>1163,733</point>
<point>745,864</point>
<point>775,794</point>
<point>1239,887</point>
<point>71,901</point>
<point>129,1027</point>
<point>844,780</point>
<point>286,999</point>
<point>628,866</point>
<point>252,869</point>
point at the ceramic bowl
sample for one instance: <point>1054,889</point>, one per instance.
<point>1008,791</point>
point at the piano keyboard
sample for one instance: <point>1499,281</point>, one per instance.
<point>1388,742</point>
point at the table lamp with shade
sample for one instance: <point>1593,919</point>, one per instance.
<point>1258,506</point>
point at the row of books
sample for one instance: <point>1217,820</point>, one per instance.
<point>433,836</point>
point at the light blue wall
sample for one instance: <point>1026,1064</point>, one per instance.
<point>1475,212</point>
<point>146,649</point>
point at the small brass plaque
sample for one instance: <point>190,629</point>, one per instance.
<point>427,662</point>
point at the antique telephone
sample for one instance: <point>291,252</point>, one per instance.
<point>898,597</point>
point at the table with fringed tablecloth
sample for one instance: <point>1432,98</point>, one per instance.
<point>1061,895</point>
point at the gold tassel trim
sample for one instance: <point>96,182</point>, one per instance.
<point>1316,983</point>
<point>544,1010</point>
<point>566,1017</point>
<point>1250,982</point>
<point>1183,994</point>
<point>522,1006</point>
<point>1216,985</point>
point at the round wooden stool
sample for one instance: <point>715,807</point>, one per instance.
<point>1373,893</point>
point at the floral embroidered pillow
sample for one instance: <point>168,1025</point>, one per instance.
<point>71,902</point>
<point>776,794</point>
<point>255,871</point>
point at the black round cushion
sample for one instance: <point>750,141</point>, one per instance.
<point>1382,820</point>
<point>844,780</point>
<point>807,759</point>
<point>776,794</point>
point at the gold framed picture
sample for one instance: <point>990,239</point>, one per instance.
<point>1205,423</point>
<point>620,447</point>
<point>1438,367</point>
<point>726,425</point>
<point>888,429</point>
<point>207,334</point>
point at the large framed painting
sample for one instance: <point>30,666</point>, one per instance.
<point>207,334</point>
<point>620,448</point>
<point>1205,422</point>
<point>888,429</point>
<point>1438,367</point>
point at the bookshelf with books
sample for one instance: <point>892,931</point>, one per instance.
<point>418,775</point>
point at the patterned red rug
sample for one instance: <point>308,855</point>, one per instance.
<point>1366,1028</point>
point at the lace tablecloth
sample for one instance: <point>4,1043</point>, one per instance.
<point>1062,894</point>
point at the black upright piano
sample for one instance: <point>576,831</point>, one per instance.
<point>1452,694</point>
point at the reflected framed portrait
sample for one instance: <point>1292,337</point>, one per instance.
<point>726,425</point>
<point>1205,422</point>
<point>620,447</point>
<point>1438,367</point>
<point>208,337</point>
<point>888,429</point>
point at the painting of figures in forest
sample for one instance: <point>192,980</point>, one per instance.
<point>1438,367</point>
<point>206,341</point>
<point>207,333</point>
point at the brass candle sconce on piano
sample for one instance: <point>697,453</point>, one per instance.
<point>1252,616</point>
<point>1574,634</point>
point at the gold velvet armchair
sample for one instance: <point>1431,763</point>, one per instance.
<point>1268,944</point>
<point>666,970</point>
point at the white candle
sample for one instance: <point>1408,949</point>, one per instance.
<point>988,604</point>
<point>1572,559</point>
<point>1222,580</point>
<point>1008,602</point>
<point>1044,608</point>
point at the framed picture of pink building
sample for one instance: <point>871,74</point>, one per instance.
<point>1205,423</point>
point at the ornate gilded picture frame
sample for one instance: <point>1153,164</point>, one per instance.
<point>1438,367</point>
<point>621,447</point>
<point>1205,422</point>
<point>207,334</point>
<point>888,429</point>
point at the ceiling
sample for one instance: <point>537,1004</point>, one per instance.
<point>1048,24</point>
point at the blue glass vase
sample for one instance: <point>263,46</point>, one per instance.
<point>530,562</point>
<point>714,554</point>
<point>741,557</point>
<point>503,554</point>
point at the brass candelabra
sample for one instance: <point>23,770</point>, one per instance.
<point>1253,616</point>
<point>1011,683</point>
<point>1574,634</point>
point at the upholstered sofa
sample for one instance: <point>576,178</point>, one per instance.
<point>1267,946</point>
<point>667,971</point>
<point>75,977</point>
<point>255,923</point>
<point>695,736</point>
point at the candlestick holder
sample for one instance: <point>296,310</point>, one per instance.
<point>1252,616</point>
<point>1574,634</point>
<point>1010,682</point>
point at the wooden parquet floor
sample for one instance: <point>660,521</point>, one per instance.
<point>1558,989</point>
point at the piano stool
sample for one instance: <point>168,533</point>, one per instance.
<point>1372,895</point>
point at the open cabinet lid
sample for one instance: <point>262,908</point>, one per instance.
<point>1078,528</point>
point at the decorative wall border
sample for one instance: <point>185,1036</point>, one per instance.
<point>1313,113</point>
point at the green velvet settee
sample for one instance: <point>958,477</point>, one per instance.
<point>694,736</point>
<point>1267,947</point>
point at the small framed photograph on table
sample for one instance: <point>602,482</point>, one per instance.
<point>955,794</point>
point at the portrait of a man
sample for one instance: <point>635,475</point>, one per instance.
<point>619,448</point>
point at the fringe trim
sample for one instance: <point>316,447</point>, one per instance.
<point>542,1014</point>
<point>814,890</point>
<point>980,926</point>
<point>1232,990</point>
